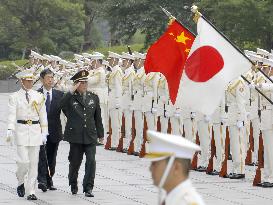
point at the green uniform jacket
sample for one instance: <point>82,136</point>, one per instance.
<point>84,123</point>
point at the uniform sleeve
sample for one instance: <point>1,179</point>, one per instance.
<point>118,83</point>
<point>155,86</point>
<point>43,116</point>
<point>64,102</point>
<point>267,87</point>
<point>98,120</point>
<point>12,112</point>
<point>240,99</point>
<point>94,79</point>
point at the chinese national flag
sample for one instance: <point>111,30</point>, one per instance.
<point>168,55</point>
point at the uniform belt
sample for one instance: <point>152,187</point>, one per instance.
<point>28,122</point>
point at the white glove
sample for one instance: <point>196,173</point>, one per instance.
<point>207,118</point>
<point>240,124</point>
<point>167,114</point>
<point>224,120</point>
<point>193,115</point>
<point>177,114</point>
<point>44,138</point>
<point>154,110</point>
<point>251,86</point>
<point>117,106</point>
<point>10,137</point>
<point>131,108</point>
<point>248,115</point>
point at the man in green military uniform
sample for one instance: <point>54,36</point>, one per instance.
<point>84,127</point>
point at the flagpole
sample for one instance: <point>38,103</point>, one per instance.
<point>196,12</point>
<point>171,17</point>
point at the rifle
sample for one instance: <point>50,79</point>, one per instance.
<point>132,90</point>
<point>18,69</point>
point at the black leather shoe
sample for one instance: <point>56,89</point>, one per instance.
<point>112,148</point>
<point>201,169</point>
<point>52,188</point>
<point>124,150</point>
<point>74,189</point>
<point>213,173</point>
<point>265,185</point>
<point>31,197</point>
<point>135,153</point>
<point>21,190</point>
<point>237,176</point>
<point>42,187</point>
<point>89,194</point>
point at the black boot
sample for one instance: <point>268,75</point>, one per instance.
<point>31,197</point>
<point>21,190</point>
<point>74,189</point>
<point>89,193</point>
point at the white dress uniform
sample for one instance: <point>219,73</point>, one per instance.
<point>184,194</point>
<point>150,99</point>
<point>163,100</point>
<point>97,84</point>
<point>28,136</point>
<point>204,130</point>
<point>267,132</point>
<point>236,117</point>
<point>189,124</point>
<point>138,86</point>
<point>115,94</point>
<point>127,103</point>
<point>219,119</point>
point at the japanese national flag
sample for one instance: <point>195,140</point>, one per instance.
<point>212,63</point>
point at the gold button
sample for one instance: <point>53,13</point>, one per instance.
<point>84,125</point>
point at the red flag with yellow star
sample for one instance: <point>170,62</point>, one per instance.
<point>168,55</point>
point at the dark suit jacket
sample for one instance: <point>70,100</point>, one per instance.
<point>53,117</point>
<point>84,123</point>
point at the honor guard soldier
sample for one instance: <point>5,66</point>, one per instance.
<point>27,126</point>
<point>138,86</point>
<point>83,128</point>
<point>236,117</point>
<point>115,93</point>
<point>170,157</point>
<point>97,85</point>
<point>127,97</point>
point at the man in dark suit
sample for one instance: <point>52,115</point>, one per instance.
<point>83,128</point>
<point>48,151</point>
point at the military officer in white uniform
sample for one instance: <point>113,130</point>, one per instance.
<point>115,93</point>
<point>170,157</point>
<point>127,97</point>
<point>97,84</point>
<point>138,87</point>
<point>27,128</point>
<point>236,102</point>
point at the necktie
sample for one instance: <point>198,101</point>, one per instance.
<point>27,97</point>
<point>47,103</point>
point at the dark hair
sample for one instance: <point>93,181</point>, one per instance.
<point>100,60</point>
<point>185,164</point>
<point>45,72</point>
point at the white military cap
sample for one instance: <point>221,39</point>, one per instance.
<point>55,58</point>
<point>255,57</point>
<point>127,56</point>
<point>47,57</point>
<point>247,52</point>
<point>78,57</point>
<point>86,55</point>
<point>25,74</point>
<point>97,56</point>
<point>262,52</point>
<point>268,62</point>
<point>80,63</point>
<point>161,146</point>
<point>36,55</point>
<point>63,62</point>
<point>138,55</point>
<point>113,55</point>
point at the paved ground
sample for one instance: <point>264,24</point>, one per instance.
<point>120,180</point>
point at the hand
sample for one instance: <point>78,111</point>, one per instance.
<point>100,140</point>
<point>193,115</point>
<point>154,110</point>
<point>207,118</point>
<point>251,86</point>
<point>224,120</point>
<point>131,108</point>
<point>10,137</point>
<point>177,114</point>
<point>248,115</point>
<point>44,138</point>
<point>240,124</point>
<point>167,114</point>
<point>117,106</point>
<point>74,87</point>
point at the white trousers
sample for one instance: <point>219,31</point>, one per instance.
<point>220,139</point>
<point>237,148</point>
<point>268,155</point>
<point>116,118</point>
<point>175,124</point>
<point>204,133</point>
<point>190,129</point>
<point>27,167</point>
<point>128,114</point>
<point>139,126</point>
<point>105,120</point>
<point>256,135</point>
<point>164,122</point>
<point>151,121</point>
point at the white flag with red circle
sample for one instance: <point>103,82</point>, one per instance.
<point>212,63</point>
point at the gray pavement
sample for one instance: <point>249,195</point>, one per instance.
<point>120,180</point>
